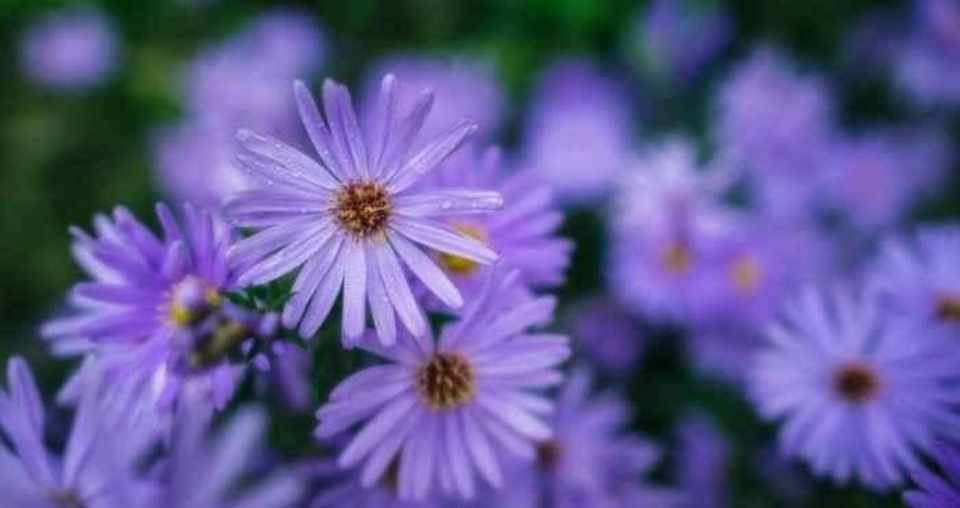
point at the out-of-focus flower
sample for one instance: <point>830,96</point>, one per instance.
<point>337,488</point>
<point>607,334</point>
<point>838,362</point>
<point>444,412</point>
<point>775,123</point>
<point>351,218</point>
<point>241,82</point>
<point>704,459</point>
<point>154,310</point>
<point>70,50</point>
<point>919,276</point>
<point>928,63</point>
<point>936,492</point>
<point>523,233</point>
<point>875,178</point>
<point>578,135</point>
<point>462,87</point>
<point>678,37</point>
<point>98,466</point>
<point>204,471</point>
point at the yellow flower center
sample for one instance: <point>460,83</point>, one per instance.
<point>456,264</point>
<point>677,259</point>
<point>446,381</point>
<point>856,383</point>
<point>746,274</point>
<point>363,208</point>
<point>948,308</point>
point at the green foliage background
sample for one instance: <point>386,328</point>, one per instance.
<point>64,157</point>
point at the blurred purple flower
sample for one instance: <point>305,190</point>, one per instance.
<point>216,471</point>
<point>98,466</point>
<point>523,233</point>
<point>578,135</point>
<point>352,217</point>
<point>607,334</point>
<point>463,88</point>
<point>70,50</point>
<point>155,309</point>
<point>704,460</point>
<point>679,37</point>
<point>918,275</point>
<point>875,177</point>
<point>338,488</point>
<point>928,63</point>
<point>444,412</point>
<point>837,362</point>
<point>935,492</point>
<point>775,123</point>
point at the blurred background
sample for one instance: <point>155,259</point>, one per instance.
<point>114,102</point>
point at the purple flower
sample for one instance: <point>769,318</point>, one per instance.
<point>679,37</point>
<point>704,460</point>
<point>98,465</point>
<point>337,488</point>
<point>918,275</point>
<point>607,334</point>
<point>463,88</point>
<point>837,362</point>
<point>523,233</point>
<point>578,133</point>
<point>70,50</point>
<point>775,123</point>
<point>938,492</point>
<point>154,309</point>
<point>351,218</point>
<point>205,472</point>
<point>444,412</point>
<point>876,177</point>
<point>928,63</point>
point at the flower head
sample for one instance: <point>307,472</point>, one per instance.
<point>349,219</point>
<point>704,460</point>
<point>679,37</point>
<point>69,50</point>
<point>836,363</point>
<point>444,412</point>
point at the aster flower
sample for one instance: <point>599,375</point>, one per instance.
<point>927,65</point>
<point>205,472</point>
<point>70,50</point>
<point>97,467</point>
<point>704,459</point>
<point>678,37</point>
<point>837,363</point>
<point>579,119</point>
<point>154,309</point>
<point>936,492</point>
<point>607,334</point>
<point>351,218</point>
<point>523,233</point>
<point>443,412</point>
<point>917,274</point>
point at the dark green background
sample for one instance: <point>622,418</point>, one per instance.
<point>64,157</point>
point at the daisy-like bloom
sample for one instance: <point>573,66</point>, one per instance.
<point>608,335</point>
<point>352,217</point>
<point>934,491</point>
<point>579,119</point>
<point>918,275</point>
<point>927,64</point>
<point>775,122</point>
<point>444,412</point>
<point>70,50</point>
<point>590,460</point>
<point>98,465</point>
<point>523,233</point>
<point>838,362</point>
<point>704,459</point>
<point>676,38</point>
<point>204,471</point>
<point>463,88</point>
<point>154,308</point>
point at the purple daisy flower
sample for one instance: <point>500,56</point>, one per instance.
<point>704,459</point>
<point>98,466</point>
<point>918,274</point>
<point>607,334</point>
<point>205,472</point>
<point>463,88</point>
<point>443,412</point>
<point>927,65</point>
<point>350,219</point>
<point>580,119</point>
<point>938,492</point>
<point>523,233</point>
<point>70,50</point>
<point>154,309</point>
<point>837,362</point>
<point>679,37</point>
